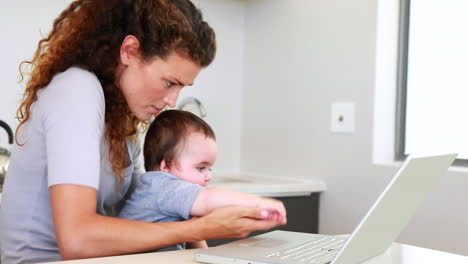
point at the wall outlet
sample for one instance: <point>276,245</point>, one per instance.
<point>342,117</point>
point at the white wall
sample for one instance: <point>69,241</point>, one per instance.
<point>300,56</point>
<point>218,87</point>
<point>22,22</point>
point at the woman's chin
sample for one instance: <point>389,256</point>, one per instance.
<point>143,116</point>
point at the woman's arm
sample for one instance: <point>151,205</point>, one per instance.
<point>82,233</point>
<point>210,198</point>
<point>197,244</point>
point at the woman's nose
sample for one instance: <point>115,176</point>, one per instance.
<point>171,98</point>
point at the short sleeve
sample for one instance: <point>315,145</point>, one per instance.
<point>73,111</point>
<point>175,197</point>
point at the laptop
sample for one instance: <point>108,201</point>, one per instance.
<point>375,233</point>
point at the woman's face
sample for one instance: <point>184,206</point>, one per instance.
<point>149,87</point>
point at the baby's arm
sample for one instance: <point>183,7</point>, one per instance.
<point>210,198</point>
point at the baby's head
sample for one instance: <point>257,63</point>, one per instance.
<point>181,143</point>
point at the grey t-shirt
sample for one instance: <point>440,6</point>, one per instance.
<point>64,143</point>
<point>161,197</point>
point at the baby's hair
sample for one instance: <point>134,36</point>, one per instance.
<point>167,133</point>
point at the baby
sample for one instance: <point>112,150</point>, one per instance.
<point>179,150</point>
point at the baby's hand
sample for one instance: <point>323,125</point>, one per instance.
<point>273,210</point>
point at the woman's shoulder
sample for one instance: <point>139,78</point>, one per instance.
<point>74,92</point>
<point>76,85</point>
<point>77,77</point>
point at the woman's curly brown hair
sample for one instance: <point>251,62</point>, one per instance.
<point>88,34</point>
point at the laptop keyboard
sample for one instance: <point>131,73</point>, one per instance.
<point>319,251</point>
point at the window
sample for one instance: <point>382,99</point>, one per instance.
<point>432,98</point>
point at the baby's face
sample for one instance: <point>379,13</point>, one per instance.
<point>195,160</point>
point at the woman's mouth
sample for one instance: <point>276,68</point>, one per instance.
<point>155,110</point>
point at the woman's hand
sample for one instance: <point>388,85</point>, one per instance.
<point>235,221</point>
<point>275,209</point>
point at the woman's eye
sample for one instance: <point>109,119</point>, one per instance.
<point>169,84</point>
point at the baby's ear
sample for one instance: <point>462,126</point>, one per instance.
<point>165,166</point>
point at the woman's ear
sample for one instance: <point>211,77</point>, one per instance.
<point>129,49</point>
<point>165,166</point>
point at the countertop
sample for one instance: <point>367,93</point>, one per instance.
<point>396,254</point>
<point>268,186</point>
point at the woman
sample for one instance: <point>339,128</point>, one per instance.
<point>106,67</point>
